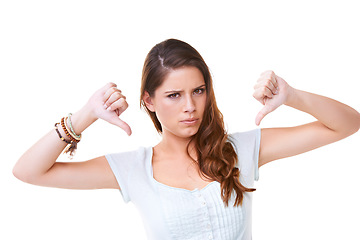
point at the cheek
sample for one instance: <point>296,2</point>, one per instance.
<point>202,104</point>
<point>166,110</point>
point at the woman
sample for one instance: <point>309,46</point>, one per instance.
<point>197,182</point>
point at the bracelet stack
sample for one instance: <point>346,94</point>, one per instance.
<point>74,138</point>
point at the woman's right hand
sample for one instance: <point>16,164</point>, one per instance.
<point>108,103</point>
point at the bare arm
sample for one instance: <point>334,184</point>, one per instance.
<point>335,120</point>
<point>38,164</point>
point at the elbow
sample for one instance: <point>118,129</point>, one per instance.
<point>350,123</point>
<point>356,129</point>
<point>19,174</point>
<point>22,174</point>
<point>353,126</point>
<point>349,131</point>
<point>27,175</point>
<point>356,123</point>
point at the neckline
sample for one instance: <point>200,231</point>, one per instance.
<point>171,187</point>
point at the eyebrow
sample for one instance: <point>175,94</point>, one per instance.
<point>172,91</point>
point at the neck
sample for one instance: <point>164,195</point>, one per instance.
<point>176,146</point>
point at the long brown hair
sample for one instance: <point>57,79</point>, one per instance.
<point>216,156</point>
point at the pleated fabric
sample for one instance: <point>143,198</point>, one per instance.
<point>180,214</point>
<point>201,214</point>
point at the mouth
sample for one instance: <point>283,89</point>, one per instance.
<point>190,121</point>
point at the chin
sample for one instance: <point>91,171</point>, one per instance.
<point>190,132</point>
<point>184,132</point>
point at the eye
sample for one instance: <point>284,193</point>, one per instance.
<point>173,95</point>
<point>199,91</point>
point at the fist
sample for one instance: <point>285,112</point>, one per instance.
<point>271,91</point>
<point>108,103</point>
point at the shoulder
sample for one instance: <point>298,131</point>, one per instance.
<point>246,138</point>
<point>246,144</point>
<point>132,157</point>
<point>247,148</point>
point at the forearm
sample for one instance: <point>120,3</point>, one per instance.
<point>331,113</point>
<point>42,155</point>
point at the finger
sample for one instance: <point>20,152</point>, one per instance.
<point>269,84</point>
<point>107,86</point>
<point>269,75</point>
<point>263,112</point>
<point>274,81</point>
<point>267,72</point>
<point>259,95</point>
<point>120,105</point>
<point>266,92</point>
<point>113,98</point>
<point>110,91</point>
<point>120,123</point>
<point>272,87</point>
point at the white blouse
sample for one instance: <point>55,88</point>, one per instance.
<point>176,213</point>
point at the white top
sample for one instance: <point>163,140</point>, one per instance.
<point>176,213</point>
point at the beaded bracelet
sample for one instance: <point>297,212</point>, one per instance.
<point>66,131</point>
<point>71,145</point>
<point>69,130</point>
<point>71,127</point>
<point>61,137</point>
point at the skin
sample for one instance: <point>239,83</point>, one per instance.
<point>179,104</point>
<point>171,164</point>
<point>182,96</point>
<point>335,120</point>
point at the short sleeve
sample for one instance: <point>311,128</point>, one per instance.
<point>256,153</point>
<point>247,147</point>
<point>122,165</point>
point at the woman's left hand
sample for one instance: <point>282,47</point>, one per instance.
<point>271,91</point>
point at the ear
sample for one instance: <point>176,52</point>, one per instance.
<point>148,102</point>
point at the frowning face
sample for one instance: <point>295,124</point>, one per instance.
<point>179,102</point>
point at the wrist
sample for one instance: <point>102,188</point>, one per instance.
<point>83,119</point>
<point>292,96</point>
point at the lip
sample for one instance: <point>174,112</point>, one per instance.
<point>190,121</point>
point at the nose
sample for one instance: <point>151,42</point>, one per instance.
<point>189,105</point>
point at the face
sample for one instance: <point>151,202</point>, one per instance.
<point>179,102</point>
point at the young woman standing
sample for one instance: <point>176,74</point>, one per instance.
<point>197,182</point>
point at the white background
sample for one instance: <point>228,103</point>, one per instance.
<point>55,54</point>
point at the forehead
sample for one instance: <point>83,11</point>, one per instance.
<point>182,78</point>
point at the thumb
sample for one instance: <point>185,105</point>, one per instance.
<point>263,112</point>
<point>121,124</point>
